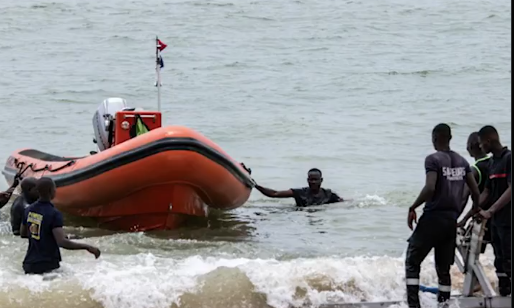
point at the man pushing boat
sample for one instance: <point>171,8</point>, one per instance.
<point>306,196</point>
<point>28,196</point>
<point>43,226</point>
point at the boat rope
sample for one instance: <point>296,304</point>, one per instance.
<point>249,170</point>
<point>23,167</point>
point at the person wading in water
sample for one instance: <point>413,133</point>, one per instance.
<point>43,226</point>
<point>28,196</point>
<point>306,196</point>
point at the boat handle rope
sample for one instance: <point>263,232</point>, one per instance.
<point>22,168</point>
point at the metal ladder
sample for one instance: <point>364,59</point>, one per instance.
<point>467,259</point>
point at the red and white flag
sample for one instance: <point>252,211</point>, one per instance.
<point>159,46</point>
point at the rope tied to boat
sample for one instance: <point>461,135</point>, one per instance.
<point>249,170</point>
<point>23,167</point>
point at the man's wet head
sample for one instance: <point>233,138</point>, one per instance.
<point>473,146</point>
<point>29,190</point>
<point>488,138</point>
<point>46,189</point>
<point>314,179</point>
<point>441,136</point>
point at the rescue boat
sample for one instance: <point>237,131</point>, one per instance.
<point>144,176</point>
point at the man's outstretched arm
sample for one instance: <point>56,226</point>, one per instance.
<point>6,195</point>
<point>268,192</point>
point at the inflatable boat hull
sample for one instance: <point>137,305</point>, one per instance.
<point>153,181</point>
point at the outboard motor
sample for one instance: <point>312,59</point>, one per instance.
<point>103,121</point>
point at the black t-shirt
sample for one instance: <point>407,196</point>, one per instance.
<point>451,171</point>
<point>304,197</point>
<point>17,210</point>
<point>41,218</point>
<point>482,168</point>
<point>498,182</point>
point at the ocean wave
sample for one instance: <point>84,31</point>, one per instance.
<point>147,281</point>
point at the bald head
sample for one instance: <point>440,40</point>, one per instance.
<point>46,189</point>
<point>473,146</point>
<point>473,137</point>
<point>441,136</point>
<point>29,190</point>
<point>489,138</point>
<point>488,131</point>
<point>28,184</point>
<point>442,132</point>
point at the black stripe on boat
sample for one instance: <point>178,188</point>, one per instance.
<point>144,151</point>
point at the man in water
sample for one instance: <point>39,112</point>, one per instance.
<point>28,196</point>
<point>446,175</point>
<point>498,188</point>
<point>312,195</point>
<point>43,226</point>
<point>6,195</point>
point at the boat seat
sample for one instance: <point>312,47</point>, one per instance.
<point>46,156</point>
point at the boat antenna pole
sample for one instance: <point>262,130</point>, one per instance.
<point>159,64</point>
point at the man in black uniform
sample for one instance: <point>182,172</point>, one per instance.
<point>481,172</point>
<point>312,195</point>
<point>447,173</point>
<point>498,187</point>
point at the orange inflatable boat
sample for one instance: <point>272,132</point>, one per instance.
<point>145,177</point>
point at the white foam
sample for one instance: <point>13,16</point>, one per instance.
<point>371,200</point>
<point>144,280</point>
<point>5,228</point>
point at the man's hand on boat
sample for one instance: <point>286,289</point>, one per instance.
<point>16,182</point>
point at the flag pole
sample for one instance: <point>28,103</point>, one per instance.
<point>158,62</point>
